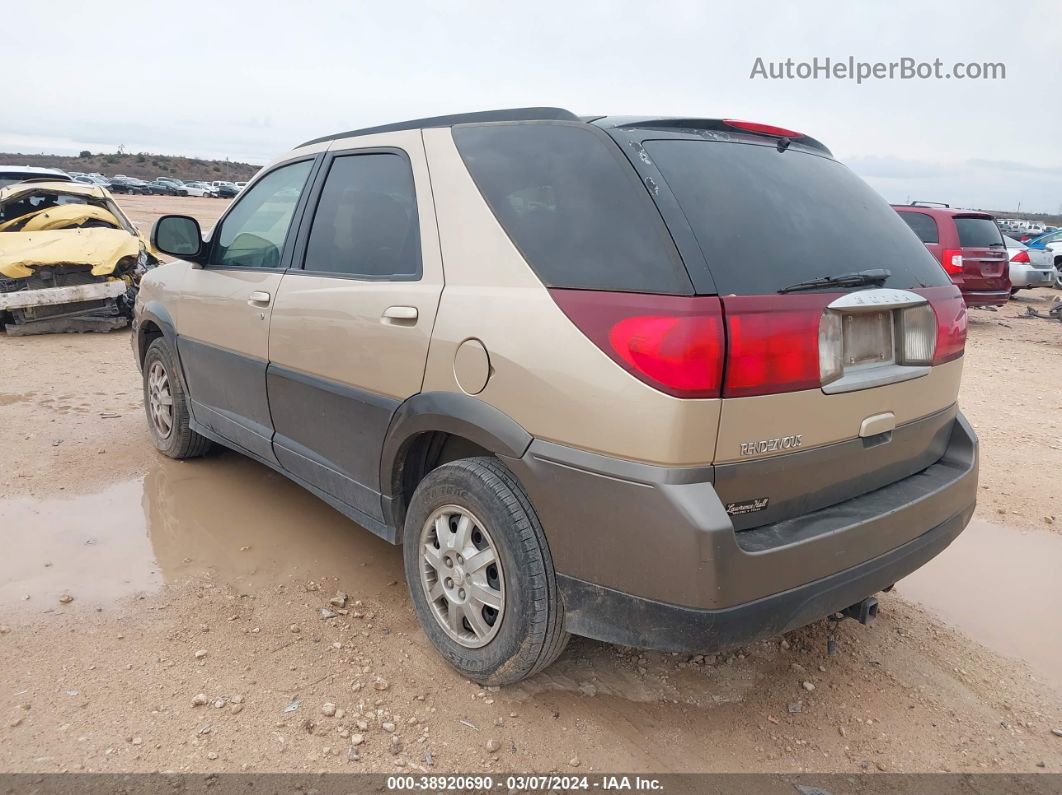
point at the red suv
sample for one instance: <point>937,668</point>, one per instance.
<point>968,245</point>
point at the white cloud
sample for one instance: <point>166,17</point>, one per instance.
<point>248,80</point>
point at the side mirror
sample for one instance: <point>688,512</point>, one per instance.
<point>178,236</point>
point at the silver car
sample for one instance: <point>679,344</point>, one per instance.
<point>1047,252</point>
<point>1029,267</point>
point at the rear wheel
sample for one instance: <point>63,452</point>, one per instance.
<point>166,404</point>
<point>480,572</point>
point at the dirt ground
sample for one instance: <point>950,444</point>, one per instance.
<point>194,638</point>
<point>145,210</point>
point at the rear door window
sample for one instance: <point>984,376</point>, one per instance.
<point>573,206</point>
<point>978,232</point>
<point>366,220</point>
<point>767,219</point>
<point>925,226</point>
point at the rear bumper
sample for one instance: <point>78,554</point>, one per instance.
<point>1024,276</point>
<point>985,297</point>
<point>648,556</point>
<point>617,617</point>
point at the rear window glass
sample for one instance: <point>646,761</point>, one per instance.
<point>574,206</point>
<point>767,219</point>
<point>978,232</point>
<point>923,225</point>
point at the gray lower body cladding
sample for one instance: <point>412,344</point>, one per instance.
<point>648,556</point>
<point>616,617</point>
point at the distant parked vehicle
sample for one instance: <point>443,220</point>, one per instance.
<point>968,245</point>
<point>228,190</point>
<point>1046,250</point>
<point>12,174</point>
<point>92,179</point>
<point>198,189</point>
<point>159,188</point>
<point>1027,272</point>
<point>124,184</point>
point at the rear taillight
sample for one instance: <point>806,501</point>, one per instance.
<point>673,343</point>
<point>950,310</point>
<point>952,260</point>
<point>1021,256</point>
<point>773,343</point>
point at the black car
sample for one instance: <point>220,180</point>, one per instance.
<point>129,185</point>
<point>227,191</point>
<point>160,188</point>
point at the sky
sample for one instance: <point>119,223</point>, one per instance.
<point>250,80</point>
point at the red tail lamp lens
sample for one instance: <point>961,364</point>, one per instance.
<point>952,261</point>
<point>774,343</point>
<point>1021,256</point>
<point>762,129</point>
<point>950,310</point>
<point>673,343</point>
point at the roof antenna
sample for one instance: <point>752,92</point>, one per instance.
<point>783,143</point>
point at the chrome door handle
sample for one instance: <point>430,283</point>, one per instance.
<point>400,313</point>
<point>258,297</point>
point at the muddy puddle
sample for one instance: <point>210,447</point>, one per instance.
<point>233,522</point>
<point>224,518</point>
<point>1002,587</point>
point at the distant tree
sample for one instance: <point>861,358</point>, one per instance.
<point>84,153</point>
<point>140,158</point>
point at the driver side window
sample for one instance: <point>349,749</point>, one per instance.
<point>253,234</point>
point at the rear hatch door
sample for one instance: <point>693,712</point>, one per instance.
<point>984,254</point>
<point>830,390</point>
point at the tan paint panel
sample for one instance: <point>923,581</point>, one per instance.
<point>213,308</point>
<point>822,419</point>
<point>333,328</point>
<point>547,375</point>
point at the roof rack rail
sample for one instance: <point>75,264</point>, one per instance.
<point>921,203</point>
<point>509,114</point>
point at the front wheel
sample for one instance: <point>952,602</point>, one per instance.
<point>480,573</point>
<point>166,404</point>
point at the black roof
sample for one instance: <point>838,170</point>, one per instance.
<point>673,125</point>
<point>510,114</point>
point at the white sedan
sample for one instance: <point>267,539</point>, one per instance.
<point>199,189</point>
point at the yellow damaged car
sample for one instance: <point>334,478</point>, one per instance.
<point>70,259</point>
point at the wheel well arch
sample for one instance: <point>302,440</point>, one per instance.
<point>432,429</point>
<point>154,322</point>
<point>148,332</point>
<point>424,452</point>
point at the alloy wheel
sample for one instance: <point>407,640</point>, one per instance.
<point>461,574</point>
<point>160,400</point>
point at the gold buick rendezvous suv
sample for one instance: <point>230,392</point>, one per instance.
<point>671,383</point>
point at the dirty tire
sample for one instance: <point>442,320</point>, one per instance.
<point>182,441</point>
<point>531,635</point>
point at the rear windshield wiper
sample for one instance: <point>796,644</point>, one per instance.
<point>874,276</point>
